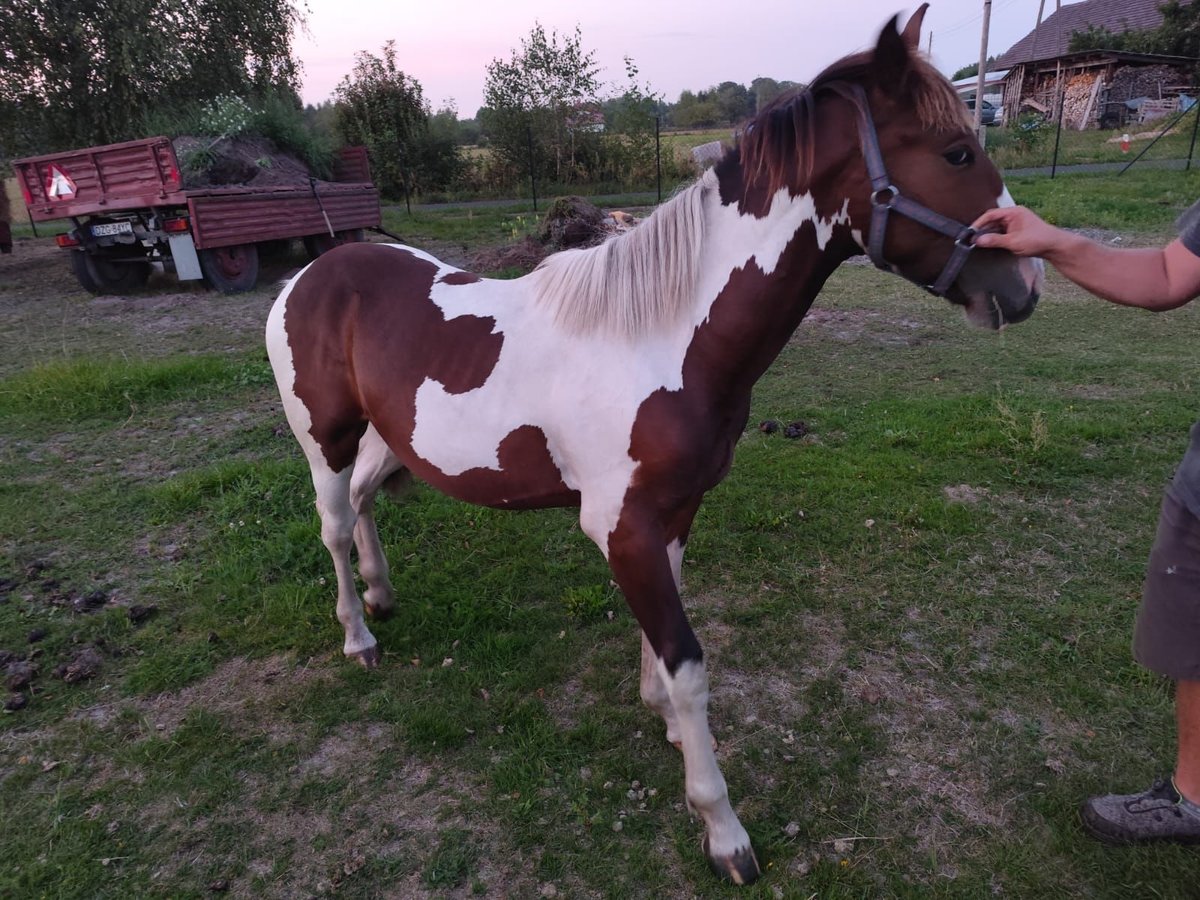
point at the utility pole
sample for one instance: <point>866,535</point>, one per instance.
<point>983,42</point>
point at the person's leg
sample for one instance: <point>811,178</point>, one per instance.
<point>1187,715</point>
<point>1166,641</point>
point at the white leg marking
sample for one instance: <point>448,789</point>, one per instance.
<point>375,463</point>
<point>338,521</point>
<point>705,785</point>
<point>654,692</point>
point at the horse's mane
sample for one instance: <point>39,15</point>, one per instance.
<point>644,277</point>
<point>632,281</point>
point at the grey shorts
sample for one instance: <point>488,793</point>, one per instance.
<point>1167,637</point>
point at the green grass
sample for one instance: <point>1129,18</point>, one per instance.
<point>1141,200</point>
<point>917,621</point>
<point>1091,146</point>
<point>114,388</point>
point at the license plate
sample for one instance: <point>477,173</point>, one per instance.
<point>108,228</point>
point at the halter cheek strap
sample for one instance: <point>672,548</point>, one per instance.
<point>886,197</point>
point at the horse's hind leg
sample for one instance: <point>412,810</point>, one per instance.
<point>375,467</point>
<point>338,522</point>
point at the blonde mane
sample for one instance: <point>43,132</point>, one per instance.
<point>634,281</point>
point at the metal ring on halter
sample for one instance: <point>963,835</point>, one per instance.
<point>967,238</point>
<point>891,190</point>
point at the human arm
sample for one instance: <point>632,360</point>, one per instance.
<point>1152,278</point>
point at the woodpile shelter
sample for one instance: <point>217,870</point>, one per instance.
<point>1098,88</point>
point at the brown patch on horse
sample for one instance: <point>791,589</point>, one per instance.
<point>683,440</point>
<point>366,314</point>
<point>459,278</point>
<point>528,477</point>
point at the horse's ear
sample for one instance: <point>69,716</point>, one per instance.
<point>891,60</point>
<point>912,31</point>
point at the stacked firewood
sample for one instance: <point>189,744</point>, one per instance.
<point>1081,101</point>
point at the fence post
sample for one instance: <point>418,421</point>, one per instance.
<point>1175,121</point>
<point>1057,130</point>
<point>1195,125</point>
<point>658,157</point>
<point>532,176</point>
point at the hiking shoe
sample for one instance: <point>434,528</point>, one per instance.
<point>1159,814</point>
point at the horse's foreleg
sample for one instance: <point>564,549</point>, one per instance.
<point>338,521</point>
<point>647,576</point>
<point>653,690</point>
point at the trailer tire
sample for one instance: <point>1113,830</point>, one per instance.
<point>103,276</point>
<point>230,270</point>
<point>316,244</point>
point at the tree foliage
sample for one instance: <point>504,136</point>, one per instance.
<point>1178,35</point>
<point>546,95</point>
<point>767,89</point>
<point>972,69</point>
<point>382,108</point>
<point>728,103</point>
<point>81,72</point>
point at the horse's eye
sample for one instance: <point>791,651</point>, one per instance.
<point>959,156</point>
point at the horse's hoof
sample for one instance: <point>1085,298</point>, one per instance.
<point>741,868</point>
<point>380,613</point>
<point>369,658</point>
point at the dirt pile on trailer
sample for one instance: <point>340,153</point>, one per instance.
<point>241,161</point>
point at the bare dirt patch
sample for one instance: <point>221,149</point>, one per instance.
<point>856,325</point>
<point>45,314</point>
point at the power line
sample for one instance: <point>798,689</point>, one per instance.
<point>973,20</point>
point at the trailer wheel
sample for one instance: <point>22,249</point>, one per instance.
<point>316,244</point>
<point>230,270</point>
<point>104,276</point>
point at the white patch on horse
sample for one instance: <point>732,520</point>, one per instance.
<point>279,350</point>
<point>588,387</point>
<point>1032,269</point>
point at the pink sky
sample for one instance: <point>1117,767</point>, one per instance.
<point>676,44</point>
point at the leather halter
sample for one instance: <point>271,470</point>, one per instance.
<point>886,197</point>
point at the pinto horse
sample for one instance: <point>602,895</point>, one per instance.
<point>617,379</point>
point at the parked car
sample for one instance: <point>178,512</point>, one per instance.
<point>989,111</point>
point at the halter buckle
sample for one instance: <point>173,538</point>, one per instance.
<point>891,192</point>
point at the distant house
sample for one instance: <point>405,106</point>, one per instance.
<point>1099,88</point>
<point>586,117</point>
<point>993,87</point>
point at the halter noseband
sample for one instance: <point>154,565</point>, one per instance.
<point>886,197</point>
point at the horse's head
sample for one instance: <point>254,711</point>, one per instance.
<point>883,139</point>
<point>928,180</point>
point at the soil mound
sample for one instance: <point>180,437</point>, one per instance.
<point>244,161</point>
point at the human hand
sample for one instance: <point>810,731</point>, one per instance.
<point>1018,230</point>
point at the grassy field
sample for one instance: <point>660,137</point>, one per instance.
<point>1009,151</point>
<point>917,618</point>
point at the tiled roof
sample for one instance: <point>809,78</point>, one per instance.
<point>1055,33</point>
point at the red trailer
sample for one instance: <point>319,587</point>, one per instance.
<point>129,210</point>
